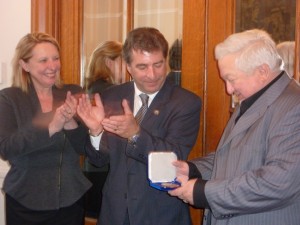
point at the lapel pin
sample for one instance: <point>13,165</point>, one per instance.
<point>156,112</point>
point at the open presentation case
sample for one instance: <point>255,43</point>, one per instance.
<point>161,171</point>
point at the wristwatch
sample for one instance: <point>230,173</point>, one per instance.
<point>134,138</point>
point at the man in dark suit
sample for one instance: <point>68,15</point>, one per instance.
<point>253,177</point>
<point>171,123</point>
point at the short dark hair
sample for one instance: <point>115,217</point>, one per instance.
<point>144,39</point>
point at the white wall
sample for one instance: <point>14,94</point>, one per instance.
<point>14,24</point>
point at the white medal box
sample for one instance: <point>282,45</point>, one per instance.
<point>161,171</point>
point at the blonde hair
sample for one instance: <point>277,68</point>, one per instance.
<point>20,77</point>
<point>97,68</point>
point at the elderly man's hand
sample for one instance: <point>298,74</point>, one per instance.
<point>185,192</point>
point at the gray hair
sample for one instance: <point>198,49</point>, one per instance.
<point>253,47</point>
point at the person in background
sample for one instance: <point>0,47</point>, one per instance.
<point>253,176</point>
<point>286,50</point>
<point>105,69</point>
<point>170,123</point>
<point>45,184</point>
<point>175,58</point>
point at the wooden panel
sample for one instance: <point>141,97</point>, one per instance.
<point>193,67</point>
<point>211,23</point>
<point>193,54</point>
<point>219,26</point>
<point>71,39</point>
<point>63,20</point>
<point>130,16</point>
<point>44,16</point>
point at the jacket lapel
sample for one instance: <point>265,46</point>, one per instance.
<point>158,103</point>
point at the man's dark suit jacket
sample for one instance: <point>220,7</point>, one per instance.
<point>170,124</point>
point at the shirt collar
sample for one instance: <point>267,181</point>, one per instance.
<point>247,103</point>
<point>137,93</point>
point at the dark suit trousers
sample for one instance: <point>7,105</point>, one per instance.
<point>17,214</point>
